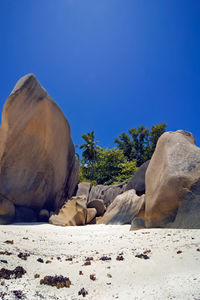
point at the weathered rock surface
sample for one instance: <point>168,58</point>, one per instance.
<point>24,214</point>
<point>43,215</point>
<point>123,209</point>
<point>73,213</point>
<point>7,211</point>
<point>37,160</point>
<point>173,182</point>
<point>84,189</point>
<point>106,192</point>
<point>138,181</point>
<point>91,214</point>
<point>138,222</point>
<point>98,204</point>
<point>188,214</point>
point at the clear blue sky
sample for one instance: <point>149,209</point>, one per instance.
<point>111,65</point>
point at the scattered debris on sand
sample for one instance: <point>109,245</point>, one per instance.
<point>4,261</point>
<point>143,256</point>
<point>5,253</point>
<point>23,255</point>
<point>58,281</point>
<point>120,257</point>
<point>18,272</point>
<point>83,292</point>
<point>104,258</point>
<point>9,242</point>
<point>92,277</point>
<point>18,294</point>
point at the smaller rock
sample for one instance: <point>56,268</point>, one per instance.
<point>98,204</point>
<point>84,189</point>
<point>123,209</point>
<point>91,214</point>
<point>72,213</point>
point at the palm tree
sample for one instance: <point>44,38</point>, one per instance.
<point>89,148</point>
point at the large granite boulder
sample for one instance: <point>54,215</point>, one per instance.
<point>37,158</point>
<point>7,211</point>
<point>24,215</point>
<point>43,215</point>
<point>123,209</point>
<point>173,182</point>
<point>73,213</point>
<point>137,182</point>
<point>106,192</point>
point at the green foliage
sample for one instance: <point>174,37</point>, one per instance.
<point>140,144</point>
<point>84,175</point>
<point>112,166</point>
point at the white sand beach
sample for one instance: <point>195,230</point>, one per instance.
<point>165,274</point>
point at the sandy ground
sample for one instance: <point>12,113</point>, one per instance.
<point>165,275</point>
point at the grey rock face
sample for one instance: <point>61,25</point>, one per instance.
<point>138,181</point>
<point>106,193</point>
<point>188,214</point>
<point>84,189</point>
<point>123,209</point>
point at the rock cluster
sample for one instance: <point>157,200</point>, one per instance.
<point>77,212</point>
